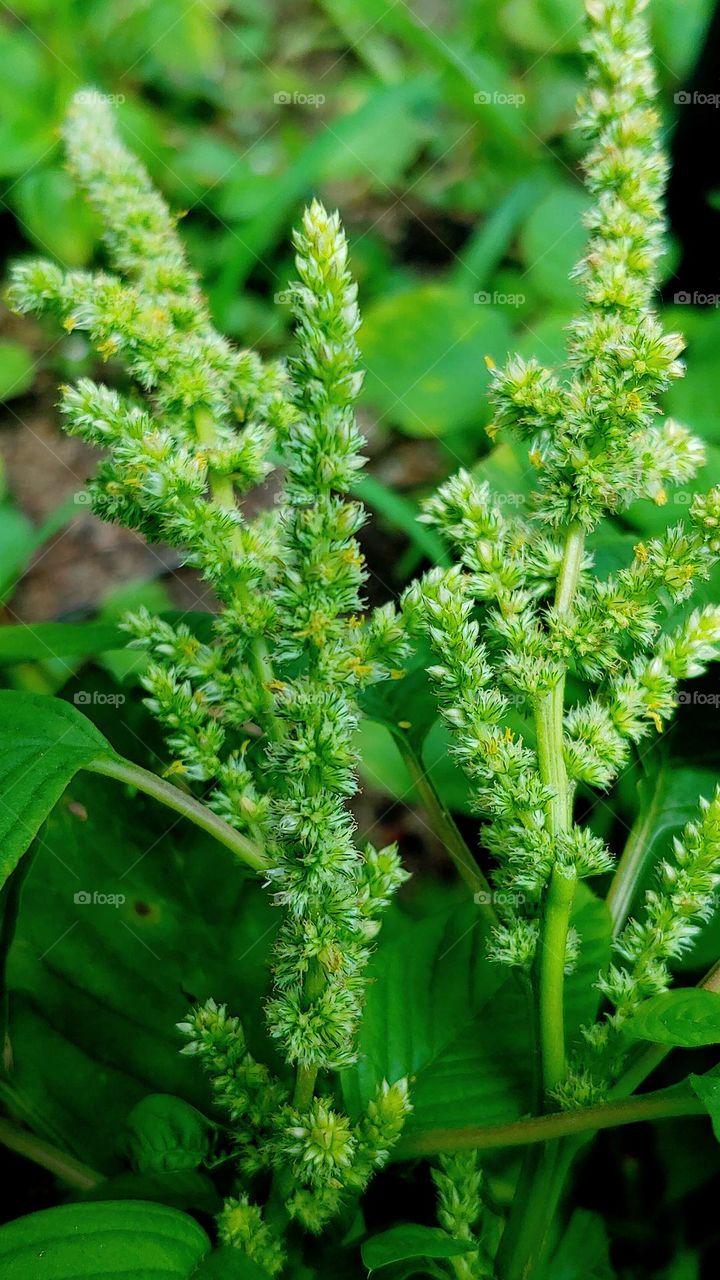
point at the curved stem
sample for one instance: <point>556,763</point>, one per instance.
<point>135,776</point>
<point>445,828</point>
<point>630,866</point>
<point>662,1105</point>
<point>65,1167</point>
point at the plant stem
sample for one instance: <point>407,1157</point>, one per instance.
<point>556,917</point>
<point>124,771</point>
<point>445,828</point>
<point>542,1175</point>
<point>551,973</point>
<point>662,1105</point>
<point>629,868</point>
<point>67,1168</point>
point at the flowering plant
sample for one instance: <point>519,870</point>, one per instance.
<point>260,713</point>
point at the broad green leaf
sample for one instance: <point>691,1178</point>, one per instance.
<point>686,1018</point>
<point>128,917</point>
<point>424,349</point>
<point>109,1240</point>
<point>430,979</point>
<point>16,370</point>
<point>438,1012</point>
<point>43,743</point>
<point>164,1134</point>
<point>411,1241</point>
<point>229,1264</point>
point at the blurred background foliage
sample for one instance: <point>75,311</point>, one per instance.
<point>443,131</point>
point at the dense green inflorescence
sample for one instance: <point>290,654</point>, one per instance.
<point>270,742</point>
<point>261,716</point>
<point>523,608</point>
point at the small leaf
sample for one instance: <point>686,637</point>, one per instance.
<point>687,1019</point>
<point>110,1239</point>
<point>411,1241</point>
<point>165,1134</point>
<point>707,1088</point>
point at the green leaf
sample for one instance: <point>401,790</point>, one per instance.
<point>439,1013</point>
<point>407,707</point>
<point>411,1241</point>
<point>424,348</point>
<point>430,979</point>
<point>36,641</point>
<point>128,917</point>
<point>165,1134</point>
<point>707,1088</point>
<point>667,799</point>
<point>112,1240</point>
<point>687,1018</point>
<point>16,370</point>
<point>583,1253</point>
<point>43,743</point>
<point>229,1264</point>
<point>55,216</point>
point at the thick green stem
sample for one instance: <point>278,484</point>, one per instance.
<point>444,827</point>
<point>549,713</point>
<point>559,1124</point>
<point>551,973</point>
<point>541,1179</point>
<point>123,771</point>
